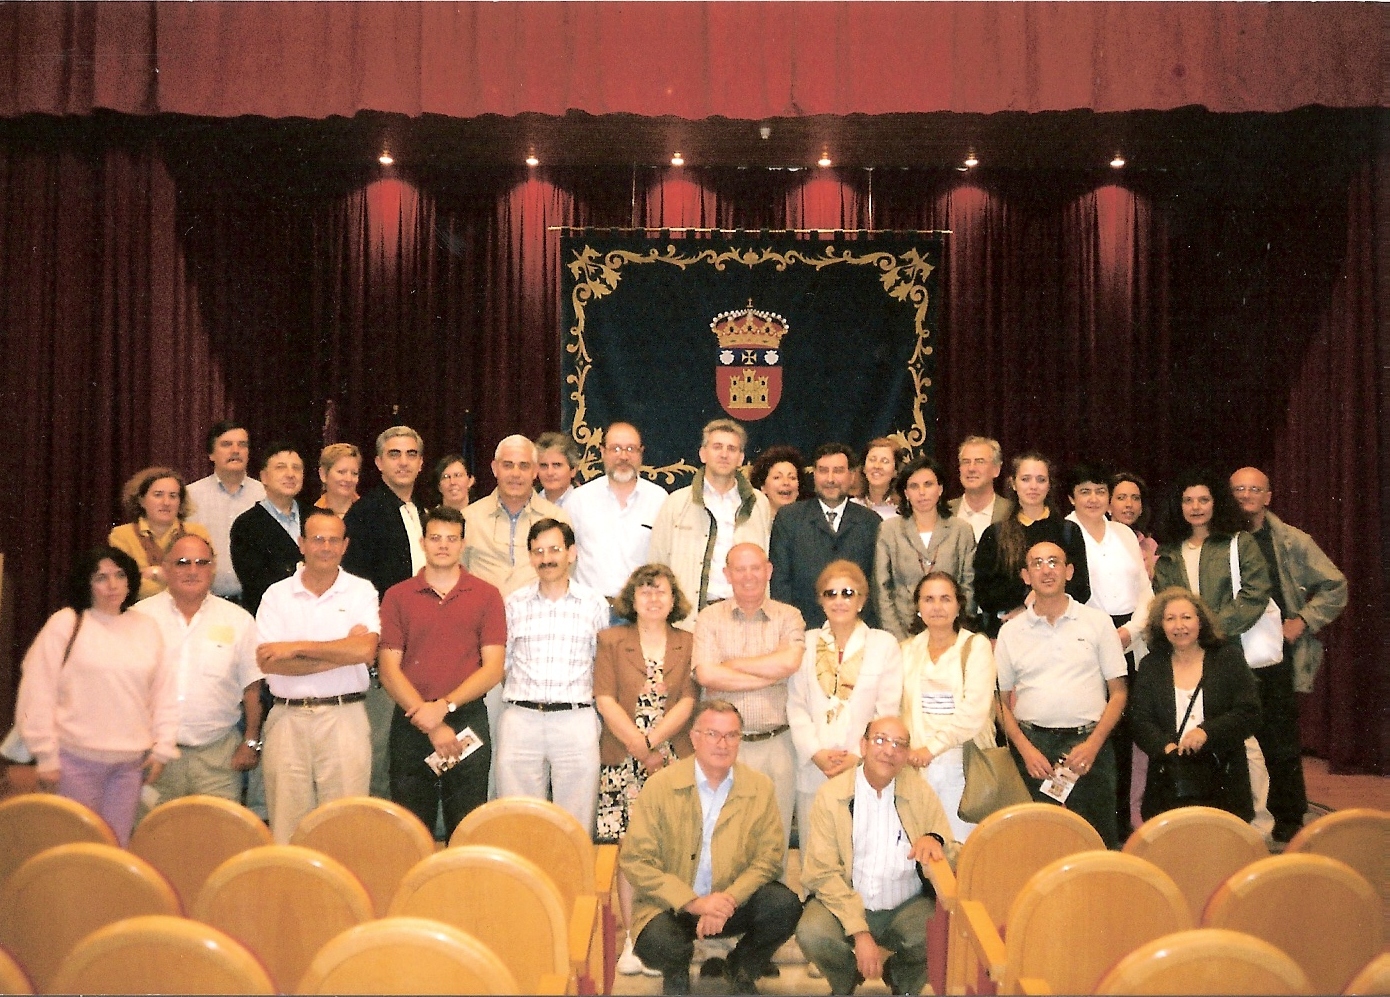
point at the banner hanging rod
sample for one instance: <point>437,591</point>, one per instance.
<point>673,229</point>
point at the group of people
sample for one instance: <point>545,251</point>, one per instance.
<point>688,673</point>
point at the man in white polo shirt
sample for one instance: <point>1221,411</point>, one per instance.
<point>319,629</point>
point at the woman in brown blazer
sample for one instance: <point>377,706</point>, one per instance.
<point>644,692</point>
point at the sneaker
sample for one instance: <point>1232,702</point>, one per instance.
<point>628,963</point>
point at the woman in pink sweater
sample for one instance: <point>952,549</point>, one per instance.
<point>98,706</point>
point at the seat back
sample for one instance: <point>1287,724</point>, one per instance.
<point>13,978</point>
<point>1199,847</point>
<point>157,954</point>
<point>379,841</point>
<point>32,822</point>
<point>63,894</point>
<point>1373,979</point>
<point>998,858</point>
<point>498,897</point>
<point>1205,961</point>
<point>1318,910</point>
<point>1358,837</point>
<point>187,838</point>
<point>406,955</point>
<point>1080,915</point>
<point>544,832</point>
<point>284,903</point>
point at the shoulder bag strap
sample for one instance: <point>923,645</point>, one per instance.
<point>1190,703</point>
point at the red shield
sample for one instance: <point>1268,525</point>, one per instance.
<point>748,391</point>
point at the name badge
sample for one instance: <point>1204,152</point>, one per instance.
<point>939,703</point>
<point>222,635</point>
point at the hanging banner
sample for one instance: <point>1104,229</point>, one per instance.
<point>802,340</point>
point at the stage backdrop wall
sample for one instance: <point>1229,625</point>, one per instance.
<point>1168,319</point>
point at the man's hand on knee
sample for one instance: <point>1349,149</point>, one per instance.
<point>867,956</point>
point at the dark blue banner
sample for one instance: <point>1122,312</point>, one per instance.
<point>803,341</point>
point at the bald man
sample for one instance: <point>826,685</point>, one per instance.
<point>1310,593</point>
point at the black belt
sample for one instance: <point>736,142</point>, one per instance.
<point>526,704</point>
<point>764,735</point>
<point>343,700</point>
<point>1081,731</point>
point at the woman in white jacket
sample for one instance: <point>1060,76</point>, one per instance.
<point>849,675</point>
<point>948,692</point>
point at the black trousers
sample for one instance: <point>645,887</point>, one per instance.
<point>459,790</point>
<point>767,920</point>
<point>1279,740</point>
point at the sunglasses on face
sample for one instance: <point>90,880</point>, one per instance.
<point>842,593</point>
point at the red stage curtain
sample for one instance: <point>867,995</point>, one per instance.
<point>691,60</point>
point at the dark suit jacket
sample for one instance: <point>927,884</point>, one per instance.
<point>802,545</point>
<point>262,554</point>
<point>1231,710</point>
<point>378,547</point>
<point>620,671</point>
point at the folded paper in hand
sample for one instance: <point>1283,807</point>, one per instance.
<point>470,743</point>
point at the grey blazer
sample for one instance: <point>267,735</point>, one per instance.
<point>901,562</point>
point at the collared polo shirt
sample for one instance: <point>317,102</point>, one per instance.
<point>978,521</point>
<point>551,644</point>
<point>214,657</point>
<point>289,611</point>
<point>724,631</point>
<point>216,508</point>
<point>613,539</point>
<point>1057,672</point>
<point>441,639</point>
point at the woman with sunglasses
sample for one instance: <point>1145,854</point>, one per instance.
<point>850,674</point>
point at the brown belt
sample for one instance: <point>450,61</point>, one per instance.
<point>343,700</point>
<point>765,735</point>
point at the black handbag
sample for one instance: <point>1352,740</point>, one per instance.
<point>1196,778</point>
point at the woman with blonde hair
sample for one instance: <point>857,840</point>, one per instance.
<point>340,465</point>
<point>156,505</point>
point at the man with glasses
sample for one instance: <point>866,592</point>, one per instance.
<point>443,638</point>
<point>745,650</point>
<point>1062,672</point>
<point>703,851</point>
<point>265,538</point>
<point>319,630</point>
<point>1310,592</point>
<point>872,832</point>
<point>211,643</point>
<point>981,460</point>
<point>613,515</point>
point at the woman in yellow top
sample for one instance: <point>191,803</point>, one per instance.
<point>156,501</point>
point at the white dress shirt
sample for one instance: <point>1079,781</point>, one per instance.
<point>613,538</point>
<point>884,873</point>
<point>724,509</point>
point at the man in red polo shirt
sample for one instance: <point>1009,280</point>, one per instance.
<point>443,641</point>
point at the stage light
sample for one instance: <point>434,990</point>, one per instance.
<point>678,160</point>
<point>385,158</point>
<point>531,159</point>
<point>1118,161</point>
<point>971,160</point>
<point>824,159</point>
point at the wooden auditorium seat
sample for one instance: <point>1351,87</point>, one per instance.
<point>1320,911</point>
<point>406,955</point>
<point>1359,837</point>
<point>187,838</point>
<point>505,901</point>
<point>63,894</point>
<point>551,837</point>
<point>157,954</point>
<point>1001,854</point>
<point>32,822</point>
<point>1077,917</point>
<point>284,903</point>
<point>1373,979</point>
<point>13,978</point>
<point>1200,847</point>
<point>379,841</point>
<point>1205,961</point>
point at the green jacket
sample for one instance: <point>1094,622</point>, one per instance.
<point>1235,613</point>
<point>1313,589</point>
<point>827,855</point>
<point>661,850</point>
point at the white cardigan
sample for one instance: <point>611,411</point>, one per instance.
<point>974,693</point>
<point>876,694</point>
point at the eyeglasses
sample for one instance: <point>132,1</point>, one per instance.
<point>398,454</point>
<point>454,476</point>
<point>628,449</point>
<point>731,737</point>
<point>445,538</point>
<point>323,541</point>
<point>1046,562</point>
<point>1248,489</point>
<point>884,741</point>
<point>842,593</point>
<point>186,562</point>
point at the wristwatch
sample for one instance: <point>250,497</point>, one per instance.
<point>450,705</point>
<point>253,744</point>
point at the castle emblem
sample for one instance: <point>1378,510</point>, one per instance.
<point>748,378</point>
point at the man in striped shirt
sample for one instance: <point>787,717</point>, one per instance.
<point>547,738</point>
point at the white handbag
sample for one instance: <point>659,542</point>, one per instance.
<point>1264,642</point>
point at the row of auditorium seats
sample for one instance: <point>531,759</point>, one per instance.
<point>540,903</point>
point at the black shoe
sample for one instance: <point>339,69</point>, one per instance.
<point>770,972</point>
<point>675,983</point>
<point>713,968</point>
<point>741,983</point>
<point>1284,832</point>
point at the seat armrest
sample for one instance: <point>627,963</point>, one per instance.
<point>984,937</point>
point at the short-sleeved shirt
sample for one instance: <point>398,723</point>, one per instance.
<point>1057,672</point>
<point>724,631</point>
<point>613,540</point>
<point>216,508</point>
<point>441,639</point>
<point>552,643</point>
<point>214,656</point>
<point>289,611</point>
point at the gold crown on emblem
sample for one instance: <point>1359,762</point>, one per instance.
<point>749,327</point>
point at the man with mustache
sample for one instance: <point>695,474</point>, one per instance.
<point>224,495</point>
<point>547,737</point>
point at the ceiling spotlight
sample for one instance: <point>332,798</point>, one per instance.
<point>385,158</point>
<point>824,159</point>
<point>971,160</point>
<point>678,160</point>
<point>531,159</point>
<point>1118,161</point>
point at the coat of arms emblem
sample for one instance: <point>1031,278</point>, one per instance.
<point>748,378</point>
